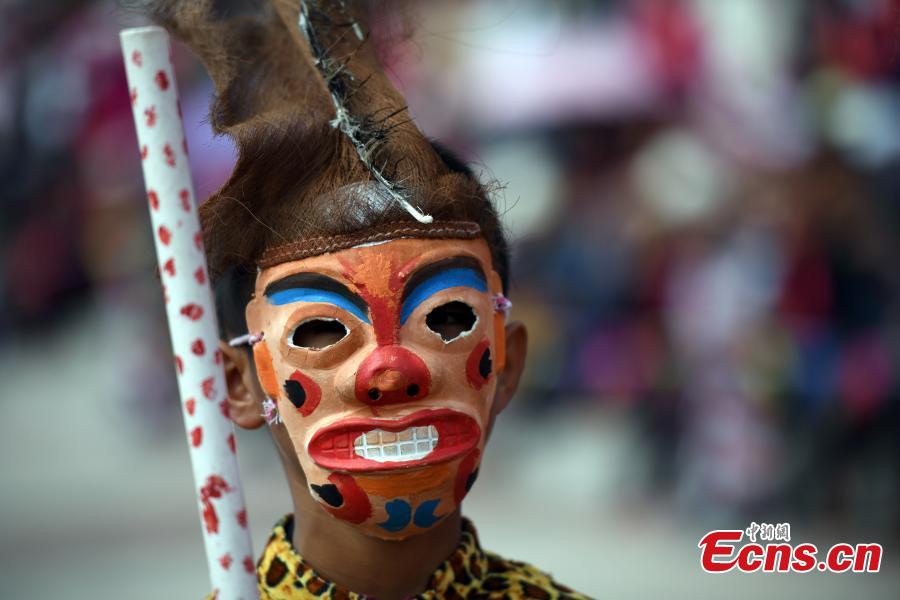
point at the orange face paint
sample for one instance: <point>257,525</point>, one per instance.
<point>397,415</point>
<point>405,483</point>
<point>265,370</point>
<point>499,342</point>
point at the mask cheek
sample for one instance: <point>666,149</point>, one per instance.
<point>343,498</point>
<point>479,365</point>
<point>303,393</point>
<point>466,475</point>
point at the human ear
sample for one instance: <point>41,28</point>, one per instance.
<point>508,378</point>
<point>244,393</point>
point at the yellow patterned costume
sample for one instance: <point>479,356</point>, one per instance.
<point>470,572</point>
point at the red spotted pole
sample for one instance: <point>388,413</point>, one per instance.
<point>189,308</point>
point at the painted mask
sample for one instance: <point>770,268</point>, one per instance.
<point>381,360</point>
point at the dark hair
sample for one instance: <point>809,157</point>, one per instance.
<point>295,165</point>
<point>233,287</point>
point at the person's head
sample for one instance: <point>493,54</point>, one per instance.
<point>384,353</point>
<point>388,364</point>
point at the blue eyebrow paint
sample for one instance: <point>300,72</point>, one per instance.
<point>290,295</point>
<point>448,278</point>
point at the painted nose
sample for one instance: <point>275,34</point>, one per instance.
<point>392,374</point>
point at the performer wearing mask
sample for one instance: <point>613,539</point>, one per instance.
<point>360,274</point>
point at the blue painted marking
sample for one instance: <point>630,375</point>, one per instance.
<point>399,513</point>
<point>460,277</point>
<point>314,295</point>
<point>425,516</point>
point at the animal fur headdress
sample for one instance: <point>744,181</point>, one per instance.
<point>328,156</point>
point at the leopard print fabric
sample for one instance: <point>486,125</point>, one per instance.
<point>469,573</point>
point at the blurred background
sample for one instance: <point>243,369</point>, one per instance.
<point>703,199</point>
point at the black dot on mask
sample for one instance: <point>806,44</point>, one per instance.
<point>329,493</point>
<point>295,392</point>
<point>485,365</point>
<point>470,480</point>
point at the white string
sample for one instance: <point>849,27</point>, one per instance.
<point>342,121</point>
<point>248,339</point>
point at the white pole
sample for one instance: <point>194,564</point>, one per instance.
<point>190,311</point>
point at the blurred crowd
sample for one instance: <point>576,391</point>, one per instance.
<point>702,196</point>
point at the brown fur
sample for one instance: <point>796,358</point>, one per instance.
<point>291,161</point>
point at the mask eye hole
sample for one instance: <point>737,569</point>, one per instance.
<point>317,334</point>
<point>451,320</point>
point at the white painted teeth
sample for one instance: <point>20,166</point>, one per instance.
<point>401,446</point>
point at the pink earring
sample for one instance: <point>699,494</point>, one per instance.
<point>501,304</point>
<point>270,412</point>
